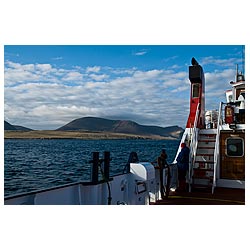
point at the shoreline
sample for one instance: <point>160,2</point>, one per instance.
<point>80,135</point>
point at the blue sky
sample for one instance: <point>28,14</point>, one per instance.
<point>48,86</point>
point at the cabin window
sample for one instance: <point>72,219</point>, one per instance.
<point>234,147</point>
<point>240,92</point>
<point>196,90</point>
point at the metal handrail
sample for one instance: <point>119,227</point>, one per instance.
<point>193,146</point>
<point>217,148</point>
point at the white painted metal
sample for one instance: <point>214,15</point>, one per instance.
<point>193,147</point>
<point>140,187</point>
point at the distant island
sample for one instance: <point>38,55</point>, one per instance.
<point>95,128</point>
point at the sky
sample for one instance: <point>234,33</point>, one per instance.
<point>47,86</point>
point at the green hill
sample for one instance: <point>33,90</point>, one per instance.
<point>94,124</point>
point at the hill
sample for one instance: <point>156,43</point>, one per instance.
<point>94,124</point>
<point>8,126</point>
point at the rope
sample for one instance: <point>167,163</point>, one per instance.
<point>107,181</point>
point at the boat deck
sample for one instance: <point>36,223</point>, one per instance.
<point>221,196</point>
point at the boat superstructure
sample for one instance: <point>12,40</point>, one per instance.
<point>216,137</point>
<point>216,175</point>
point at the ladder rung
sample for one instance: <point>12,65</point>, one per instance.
<point>203,169</point>
<point>202,177</point>
<point>201,186</point>
<point>204,154</point>
<point>209,162</point>
<point>207,135</point>
<point>205,140</point>
<point>199,147</point>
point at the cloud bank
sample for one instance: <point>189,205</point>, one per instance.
<point>44,96</point>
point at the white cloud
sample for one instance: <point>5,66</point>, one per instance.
<point>28,67</point>
<point>13,65</point>
<point>95,69</point>
<point>180,89</point>
<point>138,95</point>
<point>140,53</point>
<point>18,75</point>
<point>98,77</point>
<point>120,71</point>
<point>73,76</point>
<point>44,99</point>
<point>48,116</point>
<point>229,62</point>
<point>43,67</point>
<point>146,75</point>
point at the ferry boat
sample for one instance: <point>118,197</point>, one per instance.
<point>216,174</point>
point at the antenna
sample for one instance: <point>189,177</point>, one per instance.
<point>237,73</point>
<point>240,75</point>
<point>243,59</point>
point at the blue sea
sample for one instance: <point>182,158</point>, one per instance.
<point>35,164</point>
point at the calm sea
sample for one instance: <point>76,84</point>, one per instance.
<point>35,164</point>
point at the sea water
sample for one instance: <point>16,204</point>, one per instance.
<point>33,164</point>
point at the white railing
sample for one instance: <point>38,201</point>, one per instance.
<point>193,146</point>
<point>217,148</point>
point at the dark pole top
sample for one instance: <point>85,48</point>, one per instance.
<point>194,62</point>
